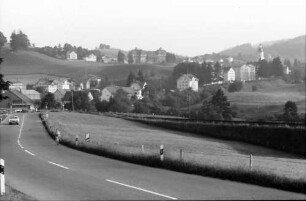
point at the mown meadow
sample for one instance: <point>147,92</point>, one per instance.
<point>139,143</point>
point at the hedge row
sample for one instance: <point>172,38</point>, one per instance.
<point>285,138</point>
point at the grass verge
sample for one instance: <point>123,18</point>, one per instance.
<point>235,174</point>
<point>13,194</point>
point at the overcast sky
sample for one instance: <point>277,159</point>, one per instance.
<point>188,27</point>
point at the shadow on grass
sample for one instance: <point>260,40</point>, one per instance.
<point>256,177</point>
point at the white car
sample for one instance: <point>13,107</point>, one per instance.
<point>14,120</point>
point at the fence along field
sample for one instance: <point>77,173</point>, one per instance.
<point>128,137</point>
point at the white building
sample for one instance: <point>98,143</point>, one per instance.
<point>17,86</point>
<point>71,55</point>
<point>187,81</point>
<point>64,84</point>
<point>47,84</point>
<point>229,75</point>
<point>245,73</point>
<point>230,59</point>
<point>91,57</point>
<point>52,87</point>
<point>287,70</point>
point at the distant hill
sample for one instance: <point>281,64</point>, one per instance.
<point>285,48</point>
<point>30,62</point>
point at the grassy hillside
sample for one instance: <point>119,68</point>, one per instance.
<point>29,62</point>
<point>269,99</point>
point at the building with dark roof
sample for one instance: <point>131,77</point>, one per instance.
<point>17,101</point>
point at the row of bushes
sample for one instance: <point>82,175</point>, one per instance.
<point>254,176</point>
<point>285,138</point>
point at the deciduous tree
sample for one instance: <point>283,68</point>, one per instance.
<point>4,85</point>
<point>121,57</point>
<point>19,41</point>
<point>290,111</point>
<point>2,40</point>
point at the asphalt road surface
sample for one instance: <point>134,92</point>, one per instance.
<point>35,165</point>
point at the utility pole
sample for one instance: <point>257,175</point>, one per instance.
<point>188,105</point>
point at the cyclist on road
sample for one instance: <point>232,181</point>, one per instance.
<point>57,137</point>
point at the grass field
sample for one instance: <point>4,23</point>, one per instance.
<point>30,78</point>
<point>128,137</point>
<point>269,99</point>
<point>29,62</point>
<point>13,194</point>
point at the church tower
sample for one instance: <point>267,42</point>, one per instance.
<point>261,52</point>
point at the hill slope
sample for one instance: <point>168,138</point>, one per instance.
<point>287,49</point>
<point>29,62</point>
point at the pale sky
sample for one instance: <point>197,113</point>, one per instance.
<point>187,27</point>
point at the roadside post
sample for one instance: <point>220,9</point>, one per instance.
<point>142,149</point>
<point>181,155</point>
<point>161,152</point>
<point>250,161</point>
<point>76,140</point>
<point>87,137</point>
<point>2,177</point>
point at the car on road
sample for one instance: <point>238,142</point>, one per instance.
<point>14,120</point>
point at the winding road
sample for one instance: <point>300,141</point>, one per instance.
<point>35,165</point>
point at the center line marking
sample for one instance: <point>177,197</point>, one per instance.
<point>29,152</point>
<point>21,127</point>
<point>58,165</point>
<point>166,196</point>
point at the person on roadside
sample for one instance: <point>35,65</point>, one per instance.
<point>57,136</point>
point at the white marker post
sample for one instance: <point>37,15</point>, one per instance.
<point>87,137</point>
<point>181,155</point>
<point>2,177</point>
<point>161,152</point>
<point>142,149</point>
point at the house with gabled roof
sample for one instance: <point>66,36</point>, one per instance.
<point>229,74</point>
<point>187,81</point>
<point>69,94</point>
<point>108,92</point>
<point>59,94</point>
<point>91,57</point>
<point>17,101</point>
<point>71,55</point>
<point>49,84</point>
<point>65,83</point>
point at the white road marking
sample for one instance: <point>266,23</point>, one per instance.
<point>147,191</point>
<point>29,152</point>
<point>58,165</point>
<point>19,144</point>
<point>21,127</point>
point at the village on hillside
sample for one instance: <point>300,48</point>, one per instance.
<point>190,87</point>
